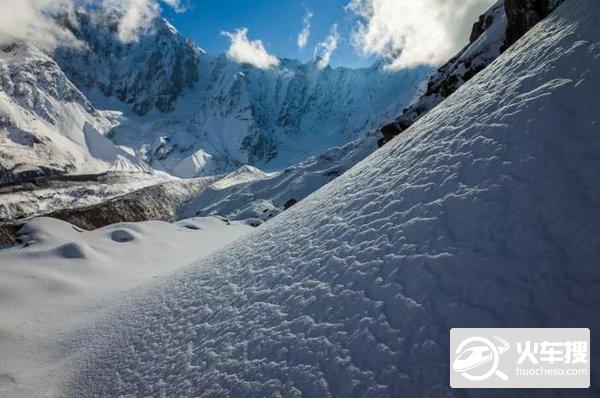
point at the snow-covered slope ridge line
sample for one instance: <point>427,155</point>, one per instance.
<point>483,214</point>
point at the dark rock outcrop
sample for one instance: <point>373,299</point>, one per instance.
<point>522,15</point>
<point>289,203</point>
<point>149,73</point>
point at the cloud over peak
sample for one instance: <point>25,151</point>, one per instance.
<point>245,51</point>
<point>325,49</point>
<point>304,35</point>
<point>33,21</point>
<point>410,33</point>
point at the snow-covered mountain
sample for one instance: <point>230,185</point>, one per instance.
<point>484,213</point>
<point>175,108</point>
<point>46,124</point>
<point>160,101</point>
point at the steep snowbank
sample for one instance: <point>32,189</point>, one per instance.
<point>484,213</point>
<point>64,278</point>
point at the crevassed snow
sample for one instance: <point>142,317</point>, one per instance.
<point>64,278</point>
<point>484,213</point>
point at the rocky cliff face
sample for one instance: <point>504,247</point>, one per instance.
<point>148,73</point>
<point>523,15</point>
<point>493,33</point>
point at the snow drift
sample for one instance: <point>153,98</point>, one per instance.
<point>63,278</point>
<point>483,214</point>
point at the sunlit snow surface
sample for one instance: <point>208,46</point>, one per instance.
<point>484,213</point>
<point>64,279</point>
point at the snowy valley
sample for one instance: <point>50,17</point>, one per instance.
<point>214,229</point>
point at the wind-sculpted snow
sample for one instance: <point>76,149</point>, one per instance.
<point>484,213</point>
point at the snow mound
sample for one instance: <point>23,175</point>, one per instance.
<point>63,277</point>
<point>122,235</point>
<point>484,213</point>
<point>73,250</point>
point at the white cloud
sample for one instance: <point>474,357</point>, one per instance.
<point>414,32</point>
<point>244,51</point>
<point>304,35</point>
<point>177,5</point>
<point>324,50</point>
<point>136,14</point>
<point>27,20</point>
<point>31,20</point>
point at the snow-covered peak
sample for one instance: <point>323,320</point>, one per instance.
<point>150,72</point>
<point>47,126</point>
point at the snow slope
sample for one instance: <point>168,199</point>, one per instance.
<point>261,196</point>
<point>483,213</point>
<point>64,278</point>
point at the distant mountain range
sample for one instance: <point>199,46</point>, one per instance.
<point>163,103</point>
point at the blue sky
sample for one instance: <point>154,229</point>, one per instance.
<point>275,22</point>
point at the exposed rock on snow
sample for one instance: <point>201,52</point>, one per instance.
<point>484,213</point>
<point>523,14</point>
<point>501,26</point>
